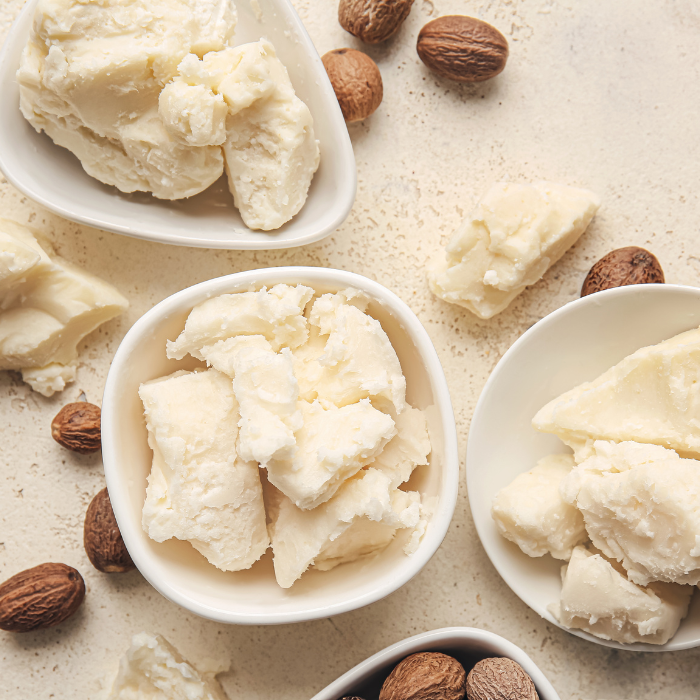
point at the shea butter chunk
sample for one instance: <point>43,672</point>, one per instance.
<point>199,489</point>
<point>597,598</point>
<point>333,445</point>
<point>512,237</point>
<point>640,506</point>
<point>531,512</point>
<point>152,669</point>
<point>651,396</point>
<point>276,314</point>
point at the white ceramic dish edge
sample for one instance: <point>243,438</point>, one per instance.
<point>439,521</point>
<point>471,639</point>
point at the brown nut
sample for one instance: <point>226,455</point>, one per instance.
<point>462,48</point>
<point>425,676</point>
<point>357,82</point>
<point>500,679</point>
<point>77,427</point>
<point>622,267</point>
<point>40,597</point>
<point>101,537</point>
<point>373,21</point>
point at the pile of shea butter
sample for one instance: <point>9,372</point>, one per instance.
<point>624,509</point>
<point>307,388</point>
<point>152,96</point>
<point>510,239</point>
<point>47,306</point>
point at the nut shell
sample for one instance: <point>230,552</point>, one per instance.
<point>40,597</point>
<point>101,537</point>
<point>623,267</point>
<point>425,676</point>
<point>373,21</point>
<point>357,82</point>
<point>462,48</point>
<point>500,679</point>
<point>77,427</point>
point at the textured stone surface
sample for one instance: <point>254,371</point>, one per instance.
<point>598,94</point>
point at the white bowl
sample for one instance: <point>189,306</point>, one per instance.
<point>253,597</point>
<point>574,344</point>
<point>467,644</point>
<point>53,177</point>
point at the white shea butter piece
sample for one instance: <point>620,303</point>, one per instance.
<point>641,506</point>
<point>47,306</point>
<point>91,75</point>
<point>597,598</point>
<point>277,314</point>
<point>333,445</point>
<point>152,669</point>
<point>512,237</point>
<point>531,512</point>
<point>338,531</point>
<point>651,396</point>
<point>199,490</point>
<point>350,357</point>
<point>267,393</point>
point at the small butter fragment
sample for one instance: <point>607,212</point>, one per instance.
<point>152,669</point>
<point>333,445</point>
<point>512,237</point>
<point>651,396</point>
<point>531,512</point>
<point>276,314</point>
<point>640,506</point>
<point>597,598</point>
<point>199,490</point>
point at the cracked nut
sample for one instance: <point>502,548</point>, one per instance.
<point>357,82</point>
<point>622,267</point>
<point>40,597</point>
<point>462,48</point>
<point>425,676</point>
<point>77,427</point>
<point>500,679</point>
<point>373,21</point>
<point>101,537</point>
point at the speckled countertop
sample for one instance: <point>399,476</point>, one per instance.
<point>599,94</point>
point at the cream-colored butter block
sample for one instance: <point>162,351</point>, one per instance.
<point>640,504</point>
<point>365,513</point>
<point>19,253</point>
<point>596,597</point>
<point>531,512</point>
<point>332,446</point>
<point>277,314</point>
<point>199,490</point>
<point>152,669</point>
<point>50,379</point>
<point>510,239</point>
<point>651,396</point>
<point>349,358</point>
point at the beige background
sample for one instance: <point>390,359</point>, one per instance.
<point>602,94</point>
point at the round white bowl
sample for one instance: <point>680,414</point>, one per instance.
<point>467,644</point>
<point>53,177</point>
<point>574,344</point>
<point>183,575</point>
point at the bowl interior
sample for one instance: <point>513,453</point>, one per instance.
<point>467,645</point>
<point>574,344</point>
<point>175,568</point>
<point>54,177</point>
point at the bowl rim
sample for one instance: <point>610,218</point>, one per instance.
<point>120,223</point>
<point>552,318</point>
<point>439,520</point>
<point>399,650</point>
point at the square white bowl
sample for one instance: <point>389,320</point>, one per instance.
<point>54,177</point>
<point>466,644</point>
<point>174,567</point>
<point>574,344</point>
